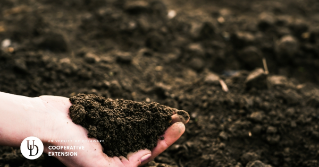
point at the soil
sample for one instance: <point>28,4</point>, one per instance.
<point>124,125</point>
<point>204,57</point>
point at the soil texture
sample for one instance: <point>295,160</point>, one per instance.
<point>124,125</point>
<point>201,56</point>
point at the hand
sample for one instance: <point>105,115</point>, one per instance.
<point>60,127</point>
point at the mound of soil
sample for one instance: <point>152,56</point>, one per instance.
<point>125,125</point>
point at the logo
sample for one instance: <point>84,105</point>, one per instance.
<point>31,147</point>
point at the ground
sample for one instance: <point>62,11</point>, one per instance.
<point>204,57</point>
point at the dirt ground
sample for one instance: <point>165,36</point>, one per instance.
<point>184,54</point>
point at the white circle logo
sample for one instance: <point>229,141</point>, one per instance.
<point>31,147</point>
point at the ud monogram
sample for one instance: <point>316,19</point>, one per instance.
<point>31,147</point>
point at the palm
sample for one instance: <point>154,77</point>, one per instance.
<point>62,128</point>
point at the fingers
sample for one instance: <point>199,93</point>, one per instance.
<point>172,134</point>
<point>180,116</point>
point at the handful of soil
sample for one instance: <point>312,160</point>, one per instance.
<point>124,125</point>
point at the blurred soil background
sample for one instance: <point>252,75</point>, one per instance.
<point>201,56</point>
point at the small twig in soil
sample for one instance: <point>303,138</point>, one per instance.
<point>265,66</point>
<point>224,86</point>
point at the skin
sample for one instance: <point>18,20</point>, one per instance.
<point>47,118</point>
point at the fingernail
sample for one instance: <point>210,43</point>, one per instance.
<point>145,157</point>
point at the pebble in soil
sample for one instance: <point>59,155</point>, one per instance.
<point>124,125</point>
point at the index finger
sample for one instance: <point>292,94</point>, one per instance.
<point>173,133</point>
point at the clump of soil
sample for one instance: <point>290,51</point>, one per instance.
<point>124,125</point>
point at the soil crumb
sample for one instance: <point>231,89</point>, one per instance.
<point>124,125</point>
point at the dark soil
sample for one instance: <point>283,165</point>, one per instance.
<point>134,50</point>
<point>124,125</point>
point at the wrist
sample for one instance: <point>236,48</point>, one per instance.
<point>21,117</point>
<point>40,120</point>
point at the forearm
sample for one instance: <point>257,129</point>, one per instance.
<point>20,117</point>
